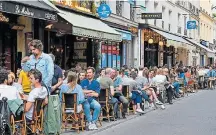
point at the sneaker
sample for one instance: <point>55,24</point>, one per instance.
<point>159,103</point>
<point>151,106</point>
<point>139,111</point>
<point>162,107</point>
<point>89,126</point>
<point>94,127</point>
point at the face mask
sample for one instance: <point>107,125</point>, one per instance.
<point>126,73</point>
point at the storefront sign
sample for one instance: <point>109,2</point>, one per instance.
<point>191,25</point>
<point>82,5</point>
<point>3,18</point>
<point>104,11</point>
<point>16,8</point>
<point>133,30</point>
<point>151,15</point>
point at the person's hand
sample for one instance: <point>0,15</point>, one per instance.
<point>25,59</point>
<point>53,88</point>
<point>23,96</point>
<point>89,94</point>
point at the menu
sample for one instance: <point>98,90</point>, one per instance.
<point>80,54</point>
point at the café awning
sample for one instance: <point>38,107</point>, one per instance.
<point>171,36</point>
<point>34,9</point>
<point>90,27</point>
<point>210,53</point>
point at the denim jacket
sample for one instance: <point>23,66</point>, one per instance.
<point>213,74</point>
<point>44,64</point>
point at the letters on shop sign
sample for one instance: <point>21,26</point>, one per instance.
<point>151,15</point>
<point>23,10</point>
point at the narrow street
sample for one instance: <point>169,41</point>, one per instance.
<point>194,115</point>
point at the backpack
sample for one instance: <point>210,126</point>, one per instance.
<point>4,118</point>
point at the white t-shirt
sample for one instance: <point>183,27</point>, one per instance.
<point>159,79</point>
<point>10,92</point>
<point>33,95</point>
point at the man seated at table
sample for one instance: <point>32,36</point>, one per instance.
<point>10,92</point>
<point>39,91</point>
<point>91,89</point>
<point>107,83</point>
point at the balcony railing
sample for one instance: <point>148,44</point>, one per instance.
<point>119,7</point>
<point>179,30</point>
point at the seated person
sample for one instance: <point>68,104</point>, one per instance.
<point>211,77</point>
<point>10,92</point>
<point>11,78</point>
<point>91,90</point>
<point>117,82</point>
<point>38,92</point>
<point>24,81</point>
<point>73,87</point>
<point>135,94</point>
<point>107,83</point>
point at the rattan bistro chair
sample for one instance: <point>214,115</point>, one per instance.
<point>70,112</point>
<point>126,93</point>
<point>18,123</point>
<point>36,124</point>
<point>105,106</point>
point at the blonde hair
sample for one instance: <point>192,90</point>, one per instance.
<point>72,79</point>
<point>160,71</point>
<point>12,75</point>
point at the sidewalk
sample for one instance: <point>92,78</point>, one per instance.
<point>107,125</point>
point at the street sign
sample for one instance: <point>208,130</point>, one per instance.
<point>104,11</point>
<point>191,24</point>
<point>151,15</point>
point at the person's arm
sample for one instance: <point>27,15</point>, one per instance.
<point>28,106</point>
<point>50,71</point>
<point>119,87</point>
<point>96,92</point>
<point>60,82</point>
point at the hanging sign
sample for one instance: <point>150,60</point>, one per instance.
<point>151,15</point>
<point>191,25</point>
<point>104,11</point>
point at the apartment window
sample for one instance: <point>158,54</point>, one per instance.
<point>179,30</point>
<point>155,22</point>
<point>119,7</point>
<point>163,24</point>
<point>132,11</point>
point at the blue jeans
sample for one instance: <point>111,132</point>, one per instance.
<point>87,110</point>
<point>114,101</point>
<point>145,96</point>
<point>176,85</point>
<point>136,97</point>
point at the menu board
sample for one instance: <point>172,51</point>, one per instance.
<point>80,54</point>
